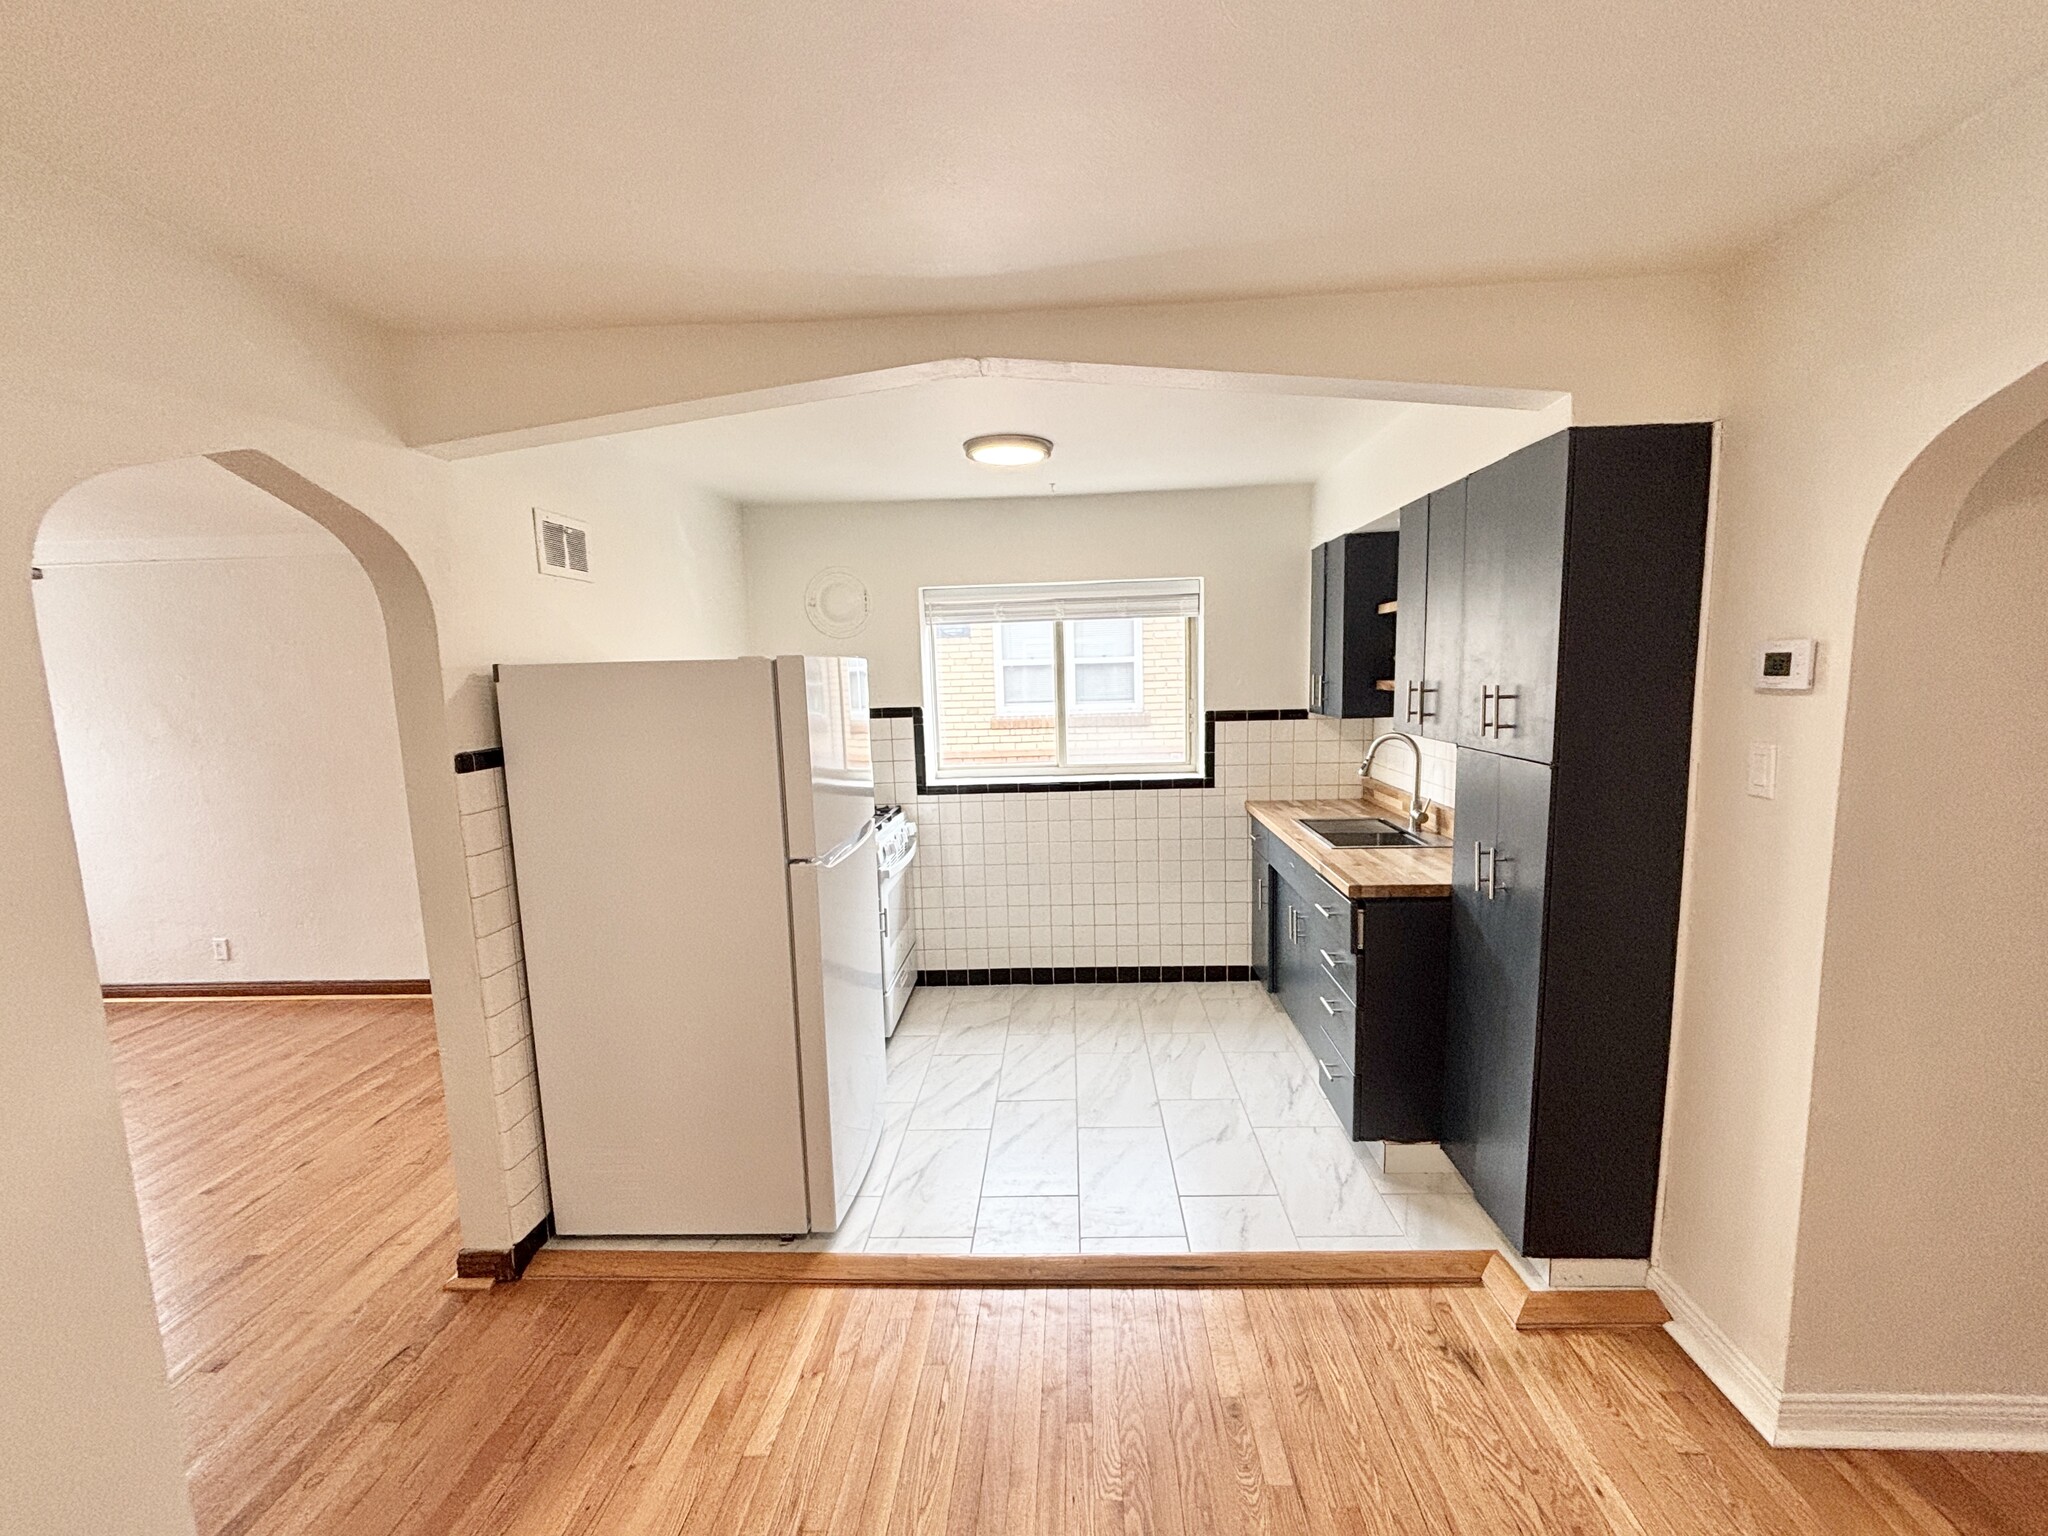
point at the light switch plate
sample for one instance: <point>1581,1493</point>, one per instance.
<point>1763,770</point>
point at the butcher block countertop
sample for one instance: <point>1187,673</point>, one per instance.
<point>1363,874</point>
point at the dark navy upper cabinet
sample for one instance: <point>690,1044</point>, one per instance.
<point>1351,640</point>
<point>1412,620</point>
<point>1513,591</point>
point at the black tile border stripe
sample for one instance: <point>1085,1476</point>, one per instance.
<point>914,713</point>
<point>1066,975</point>
<point>480,759</point>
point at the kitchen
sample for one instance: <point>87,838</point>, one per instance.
<point>1110,1048</point>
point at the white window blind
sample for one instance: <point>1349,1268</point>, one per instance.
<point>1175,597</point>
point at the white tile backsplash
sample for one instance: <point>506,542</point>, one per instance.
<point>1108,877</point>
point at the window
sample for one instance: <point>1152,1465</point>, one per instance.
<point>1063,680</point>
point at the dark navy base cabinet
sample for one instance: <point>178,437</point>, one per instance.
<point>1364,983</point>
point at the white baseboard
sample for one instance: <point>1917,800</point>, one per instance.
<point>1740,1379</point>
<point>1913,1421</point>
<point>1891,1421</point>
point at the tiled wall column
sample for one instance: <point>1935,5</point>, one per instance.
<point>494,911</point>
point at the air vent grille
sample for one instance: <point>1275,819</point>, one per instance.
<point>562,545</point>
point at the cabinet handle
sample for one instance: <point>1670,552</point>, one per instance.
<point>1323,911</point>
<point>1478,863</point>
<point>885,922</point>
<point>1422,709</point>
<point>1328,1007</point>
<point>1484,858</point>
<point>1502,696</point>
<point>1329,1072</point>
<point>1410,715</point>
<point>1485,703</point>
<point>1333,961</point>
<point>1294,925</point>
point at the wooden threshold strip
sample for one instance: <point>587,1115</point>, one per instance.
<point>1449,1267</point>
<point>1529,1310</point>
<point>397,987</point>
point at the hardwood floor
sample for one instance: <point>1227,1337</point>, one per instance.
<point>297,1203</point>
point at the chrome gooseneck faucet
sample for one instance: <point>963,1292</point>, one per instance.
<point>1418,808</point>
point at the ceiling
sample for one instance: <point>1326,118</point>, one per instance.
<point>525,164</point>
<point>905,444</point>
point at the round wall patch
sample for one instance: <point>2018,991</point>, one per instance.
<point>836,602</point>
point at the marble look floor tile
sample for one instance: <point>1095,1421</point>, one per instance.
<point>895,1121</point>
<point>976,1039</point>
<point>1110,1037</point>
<point>919,1021</point>
<point>1189,1065</point>
<point>1028,1224</point>
<point>951,1246</point>
<point>1446,1220</point>
<point>1235,1002</point>
<point>1032,1150</point>
<point>1107,1005</point>
<point>1215,1149</point>
<point>908,1058</point>
<point>959,1094</point>
<point>1323,1183</point>
<point>935,1186</point>
<point>1274,1032</point>
<point>1279,1088</point>
<point>1172,1006</point>
<point>1235,1223</point>
<point>1115,1090</point>
<point>1037,1010</point>
<point>1038,1067</point>
<point>1134,1245</point>
<point>978,1005</point>
<point>1127,1187</point>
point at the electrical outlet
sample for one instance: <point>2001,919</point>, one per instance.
<point>223,951</point>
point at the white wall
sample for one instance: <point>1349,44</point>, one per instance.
<point>231,755</point>
<point>1930,1092</point>
<point>1249,545</point>
<point>1424,449</point>
<point>1859,336</point>
<point>665,556</point>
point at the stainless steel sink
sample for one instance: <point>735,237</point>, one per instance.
<point>1366,832</point>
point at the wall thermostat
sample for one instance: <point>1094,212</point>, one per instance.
<point>1784,666</point>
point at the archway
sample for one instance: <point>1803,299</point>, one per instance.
<point>228,673</point>
<point>1920,1264</point>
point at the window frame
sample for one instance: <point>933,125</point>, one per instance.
<point>1190,766</point>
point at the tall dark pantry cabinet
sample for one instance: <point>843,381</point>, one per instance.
<point>1558,593</point>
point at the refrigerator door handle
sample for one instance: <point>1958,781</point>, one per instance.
<point>842,853</point>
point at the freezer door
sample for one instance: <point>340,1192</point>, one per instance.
<point>841,1025</point>
<point>827,762</point>
<point>654,895</point>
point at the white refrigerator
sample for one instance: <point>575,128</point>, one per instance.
<point>693,843</point>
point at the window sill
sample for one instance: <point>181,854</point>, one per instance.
<point>1176,779</point>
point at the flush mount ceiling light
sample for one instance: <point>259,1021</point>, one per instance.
<point>1008,449</point>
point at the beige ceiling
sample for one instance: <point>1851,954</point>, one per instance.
<point>456,165</point>
<point>906,444</point>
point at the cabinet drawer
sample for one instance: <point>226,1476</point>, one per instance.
<point>1341,1089</point>
<point>1336,1015</point>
